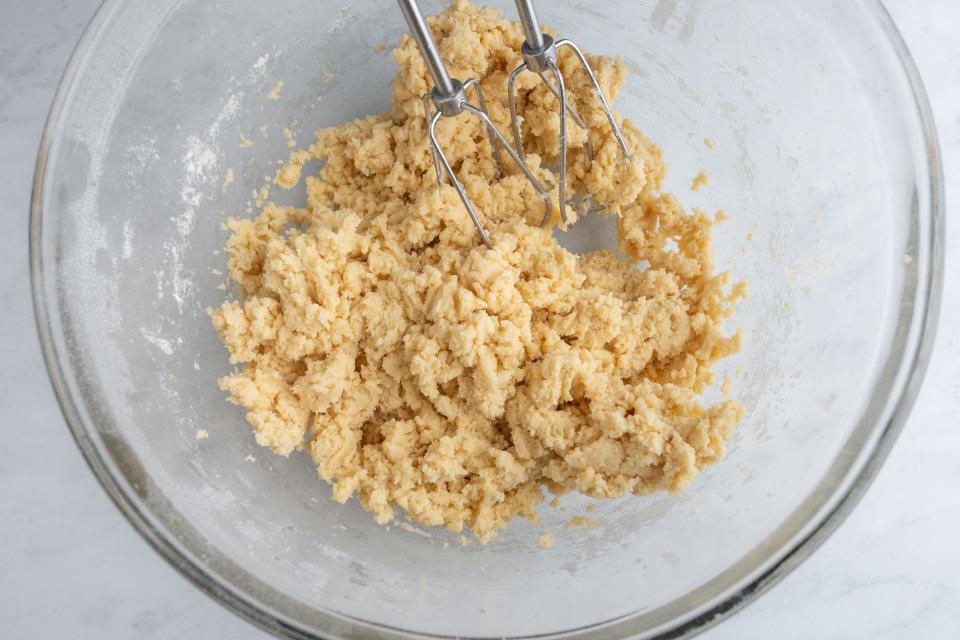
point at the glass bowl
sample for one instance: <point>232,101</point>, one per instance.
<point>824,155</point>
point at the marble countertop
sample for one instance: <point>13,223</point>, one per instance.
<point>71,566</point>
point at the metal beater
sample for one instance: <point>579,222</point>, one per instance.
<point>449,99</point>
<point>539,53</point>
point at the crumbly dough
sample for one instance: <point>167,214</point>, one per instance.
<point>425,372</point>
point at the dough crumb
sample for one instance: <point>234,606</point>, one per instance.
<point>699,181</point>
<point>288,134</point>
<point>201,434</point>
<point>275,92</point>
<point>251,459</point>
<point>288,175</point>
<point>379,47</point>
<point>546,540</point>
<point>427,375</point>
<point>725,387</point>
<point>245,142</point>
<point>260,195</point>
<point>720,216</point>
<point>555,502</point>
<point>227,180</point>
<point>583,522</point>
<point>709,144</point>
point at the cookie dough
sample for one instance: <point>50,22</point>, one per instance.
<point>425,372</point>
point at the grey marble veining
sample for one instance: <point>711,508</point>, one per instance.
<point>890,572</point>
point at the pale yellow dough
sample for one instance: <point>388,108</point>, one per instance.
<point>425,372</point>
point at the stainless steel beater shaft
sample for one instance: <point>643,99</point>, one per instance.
<point>449,99</point>
<point>539,52</point>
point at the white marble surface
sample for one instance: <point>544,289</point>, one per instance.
<point>71,566</point>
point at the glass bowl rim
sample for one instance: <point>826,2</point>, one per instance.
<point>255,612</point>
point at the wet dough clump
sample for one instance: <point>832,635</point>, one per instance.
<point>425,372</point>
